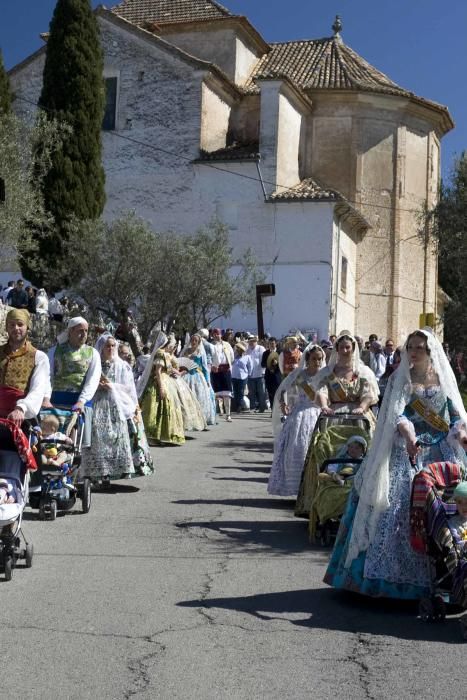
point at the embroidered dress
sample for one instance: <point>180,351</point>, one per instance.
<point>162,417</point>
<point>344,395</point>
<point>390,567</point>
<point>292,444</point>
<point>110,454</point>
<point>193,418</point>
<point>142,459</point>
<point>196,380</point>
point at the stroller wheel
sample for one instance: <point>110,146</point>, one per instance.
<point>28,555</point>
<point>52,510</point>
<point>426,610</point>
<point>439,608</point>
<point>326,536</point>
<point>8,566</point>
<point>463,626</point>
<point>86,495</point>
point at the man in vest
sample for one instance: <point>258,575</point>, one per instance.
<point>75,371</point>
<point>24,371</point>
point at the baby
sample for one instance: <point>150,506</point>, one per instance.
<point>354,449</point>
<point>7,492</point>
<point>53,454</point>
<point>458,523</point>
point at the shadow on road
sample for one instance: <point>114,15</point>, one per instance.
<point>283,504</point>
<point>265,470</point>
<point>264,446</point>
<point>335,610</point>
<point>240,478</point>
<point>252,536</point>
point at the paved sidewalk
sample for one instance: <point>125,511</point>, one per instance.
<point>196,584</point>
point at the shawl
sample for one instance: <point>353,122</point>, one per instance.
<point>21,444</point>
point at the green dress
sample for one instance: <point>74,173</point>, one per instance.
<point>162,418</point>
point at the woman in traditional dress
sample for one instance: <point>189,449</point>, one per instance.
<point>160,405</point>
<point>422,420</point>
<point>293,440</point>
<point>347,386</point>
<point>110,455</point>
<point>192,412</point>
<point>197,377</point>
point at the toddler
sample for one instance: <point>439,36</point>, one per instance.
<point>53,454</point>
<point>354,449</point>
<point>7,492</point>
<point>458,523</point>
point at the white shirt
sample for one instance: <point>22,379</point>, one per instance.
<point>222,354</point>
<point>242,367</point>
<point>5,293</point>
<point>378,364</point>
<point>256,355</point>
<point>38,386</point>
<point>91,381</point>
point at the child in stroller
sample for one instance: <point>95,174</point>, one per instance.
<point>16,459</point>
<point>348,460</point>
<point>438,524</point>
<point>58,448</point>
<point>334,484</point>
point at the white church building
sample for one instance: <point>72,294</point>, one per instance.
<point>310,156</point>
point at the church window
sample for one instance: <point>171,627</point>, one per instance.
<point>344,268</point>
<point>110,114</point>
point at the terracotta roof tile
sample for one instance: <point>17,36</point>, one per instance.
<point>307,189</point>
<point>322,63</point>
<point>246,151</point>
<point>162,11</point>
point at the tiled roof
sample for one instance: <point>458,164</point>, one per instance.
<point>307,189</point>
<point>247,151</point>
<point>323,64</point>
<point>162,11</point>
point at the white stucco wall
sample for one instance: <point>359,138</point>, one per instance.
<point>344,301</point>
<point>160,105</point>
<point>288,144</point>
<point>215,115</point>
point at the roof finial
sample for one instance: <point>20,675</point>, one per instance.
<point>337,27</point>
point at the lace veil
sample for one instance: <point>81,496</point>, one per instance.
<point>372,480</point>
<point>161,340</point>
<point>286,385</point>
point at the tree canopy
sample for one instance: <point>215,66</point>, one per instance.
<point>5,91</point>
<point>448,223</point>
<point>164,278</point>
<point>73,93</point>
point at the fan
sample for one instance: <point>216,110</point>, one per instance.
<point>186,363</point>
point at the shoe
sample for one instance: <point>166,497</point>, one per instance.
<point>228,419</point>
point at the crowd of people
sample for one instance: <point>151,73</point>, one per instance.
<point>388,414</point>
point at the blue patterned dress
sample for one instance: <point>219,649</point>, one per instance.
<point>390,567</point>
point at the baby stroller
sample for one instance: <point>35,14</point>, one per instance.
<point>432,508</point>
<point>58,486</point>
<point>16,459</point>
<point>318,501</point>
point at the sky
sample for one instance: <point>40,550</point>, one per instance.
<point>420,44</point>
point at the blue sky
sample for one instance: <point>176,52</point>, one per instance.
<point>420,44</point>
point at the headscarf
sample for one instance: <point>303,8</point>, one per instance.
<point>288,383</point>
<point>161,341</point>
<point>19,315</point>
<point>123,387</point>
<point>372,482</point>
<point>354,438</point>
<point>75,321</point>
<point>358,367</point>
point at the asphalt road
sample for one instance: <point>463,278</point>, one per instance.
<point>194,583</point>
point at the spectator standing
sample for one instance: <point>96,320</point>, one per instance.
<point>389,351</point>
<point>18,296</point>
<point>55,308</point>
<point>256,388</point>
<point>242,368</point>
<point>7,290</point>
<point>377,359</point>
<point>31,299</point>
<point>272,374</point>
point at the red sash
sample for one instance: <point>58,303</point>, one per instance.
<point>8,398</point>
